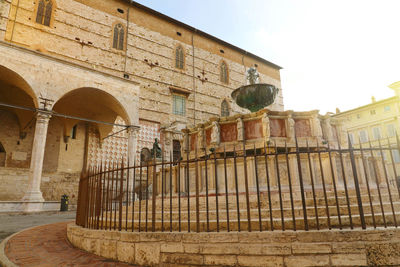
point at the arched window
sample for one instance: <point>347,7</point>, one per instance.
<point>224,73</point>
<point>224,109</point>
<point>179,57</point>
<point>119,37</point>
<point>44,10</point>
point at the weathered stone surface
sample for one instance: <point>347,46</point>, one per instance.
<point>260,261</point>
<point>147,253</point>
<point>220,260</point>
<point>383,254</point>
<point>313,248</point>
<point>126,252</point>
<point>349,260</point>
<point>179,258</point>
<point>315,260</point>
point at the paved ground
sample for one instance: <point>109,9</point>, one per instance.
<point>12,223</point>
<point>47,246</point>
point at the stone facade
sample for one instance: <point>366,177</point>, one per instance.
<point>72,63</point>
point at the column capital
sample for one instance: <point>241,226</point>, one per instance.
<point>43,116</point>
<point>133,130</point>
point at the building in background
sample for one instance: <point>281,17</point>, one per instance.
<point>84,82</point>
<point>374,123</point>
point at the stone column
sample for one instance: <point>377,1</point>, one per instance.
<point>132,144</point>
<point>35,172</point>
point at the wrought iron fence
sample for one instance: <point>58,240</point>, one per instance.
<point>311,187</point>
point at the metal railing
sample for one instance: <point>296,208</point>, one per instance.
<point>311,187</point>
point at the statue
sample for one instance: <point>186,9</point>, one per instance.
<point>156,149</point>
<point>252,75</point>
<point>266,126</point>
<point>215,133</point>
<point>291,128</point>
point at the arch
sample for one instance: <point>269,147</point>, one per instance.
<point>225,108</point>
<point>224,73</point>
<point>2,150</point>
<point>44,12</point>
<point>90,103</point>
<point>179,57</point>
<point>14,90</point>
<point>118,36</point>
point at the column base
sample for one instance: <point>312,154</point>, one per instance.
<point>33,196</point>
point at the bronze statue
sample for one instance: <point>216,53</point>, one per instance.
<point>156,149</point>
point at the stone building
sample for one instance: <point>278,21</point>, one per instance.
<point>375,122</point>
<point>85,81</point>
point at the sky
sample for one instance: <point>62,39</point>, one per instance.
<point>334,53</point>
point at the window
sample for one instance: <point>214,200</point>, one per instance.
<point>363,136</point>
<point>386,108</point>
<point>119,37</point>
<point>179,105</point>
<point>358,116</point>
<point>377,133</point>
<point>396,156</point>
<point>73,132</point>
<point>390,130</point>
<point>351,136</point>
<point>179,57</point>
<point>2,150</point>
<point>224,73</point>
<point>373,112</point>
<point>176,145</point>
<point>224,109</point>
<point>44,11</point>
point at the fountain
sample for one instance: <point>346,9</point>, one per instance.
<point>255,96</point>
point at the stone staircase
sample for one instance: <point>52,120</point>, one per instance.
<point>167,216</point>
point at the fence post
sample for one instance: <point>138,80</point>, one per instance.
<point>356,184</point>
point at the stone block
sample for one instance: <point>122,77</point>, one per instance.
<point>126,252</point>
<point>349,260</point>
<point>147,253</point>
<point>260,261</point>
<point>129,237</point>
<point>304,261</point>
<point>220,260</point>
<point>191,248</point>
<point>181,258</point>
<point>223,249</point>
<point>172,247</point>
<point>311,248</point>
<point>108,249</point>
<point>276,249</point>
<point>383,254</point>
<point>349,248</point>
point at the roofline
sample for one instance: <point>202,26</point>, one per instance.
<point>209,36</point>
<point>365,106</point>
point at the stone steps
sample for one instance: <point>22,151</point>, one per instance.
<point>265,224</point>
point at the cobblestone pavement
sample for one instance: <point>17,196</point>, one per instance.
<point>47,246</point>
<point>12,223</point>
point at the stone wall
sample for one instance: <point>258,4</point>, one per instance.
<point>313,248</point>
<point>14,184</point>
<point>81,32</point>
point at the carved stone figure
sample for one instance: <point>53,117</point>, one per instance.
<point>291,130</point>
<point>317,125</point>
<point>200,139</point>
<point>266,126</point>
<point>215,133</point>
<point>240,129</point>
